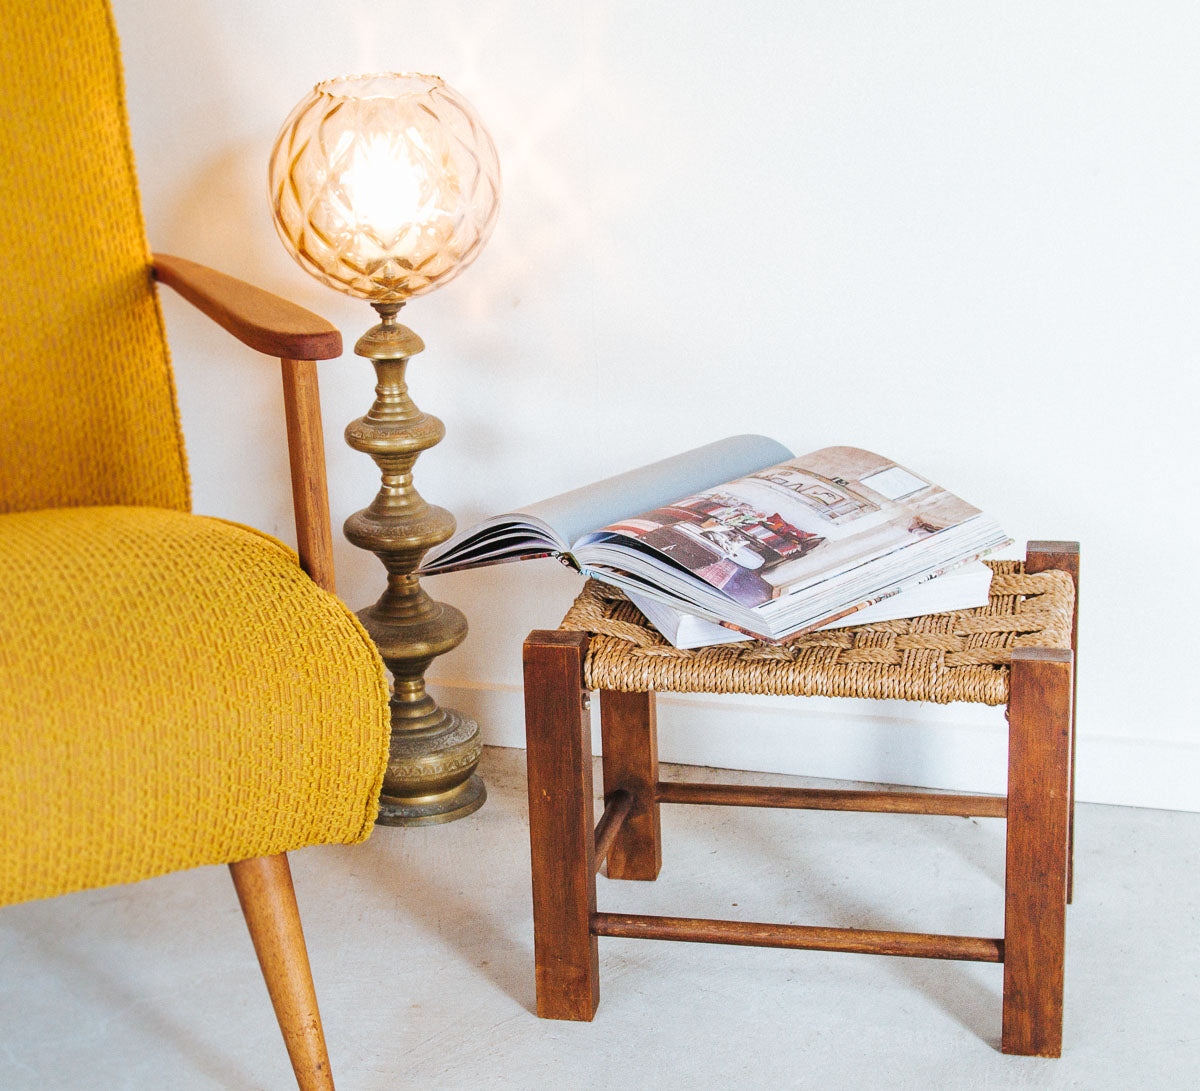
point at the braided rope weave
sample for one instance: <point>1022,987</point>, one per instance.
<point>961,655</point>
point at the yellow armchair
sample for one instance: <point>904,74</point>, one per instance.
<point>175,690</point>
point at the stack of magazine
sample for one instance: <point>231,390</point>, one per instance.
<point>740,539</point>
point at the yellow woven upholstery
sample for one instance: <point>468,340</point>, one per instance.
<point>87,401</point>
<point>174,691</point>
<point>960,655</point>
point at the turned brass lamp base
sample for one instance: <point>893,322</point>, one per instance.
<point>458,802</point>
<point>424,782</point>
<point>466,799</point>
<point>433,752</point>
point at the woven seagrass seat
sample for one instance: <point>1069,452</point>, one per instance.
<point>1018,650</point>
<point>962,655</point>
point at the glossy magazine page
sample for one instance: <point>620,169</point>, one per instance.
<point>576,513</point>
<point>555,525</point>
<point>795,524</point>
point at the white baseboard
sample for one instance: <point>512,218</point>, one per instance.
<point>955,747</point>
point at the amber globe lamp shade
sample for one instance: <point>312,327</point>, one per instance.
<point>385,187</point>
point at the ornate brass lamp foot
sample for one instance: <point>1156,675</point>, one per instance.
<point>428,771</point>
<point>431,774</point>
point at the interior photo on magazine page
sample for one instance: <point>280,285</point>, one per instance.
<point>796,523</point>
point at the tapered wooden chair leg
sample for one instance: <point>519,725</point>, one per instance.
<point>264,888</point>
<point>630,744</point>
<point>561,826</point>
<point>1035,884</point>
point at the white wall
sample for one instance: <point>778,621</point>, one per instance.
<point>962,233</point>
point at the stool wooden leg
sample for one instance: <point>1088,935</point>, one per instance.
<point>1040,556</point>
<point>1035,885</point>
<point>561,825</point>
<point>630,734</point>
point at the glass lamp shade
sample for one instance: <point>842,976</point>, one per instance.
<point>384,186</point>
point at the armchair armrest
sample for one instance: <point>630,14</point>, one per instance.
<point>262,321</point>
<point>298,337</point>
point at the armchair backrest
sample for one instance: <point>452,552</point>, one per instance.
<point>87,400</point>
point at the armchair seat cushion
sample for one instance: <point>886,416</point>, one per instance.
<point>174,691</point>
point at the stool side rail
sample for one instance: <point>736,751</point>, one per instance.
<point>616,809</point>
<point>803,937</point>
<point>833,799</point>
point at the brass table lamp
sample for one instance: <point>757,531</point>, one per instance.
<point>384,187</point>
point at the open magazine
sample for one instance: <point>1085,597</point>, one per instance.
<point>743,533</point>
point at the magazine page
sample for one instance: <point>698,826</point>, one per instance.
<point>575,513</point>
<point>552,526</point>
<point>503,538</point>
<point>794,524</point>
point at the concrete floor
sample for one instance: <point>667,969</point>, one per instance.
<point>422,952</point>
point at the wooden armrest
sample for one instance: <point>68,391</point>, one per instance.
<point>256,318</point>
<point>298,337</point>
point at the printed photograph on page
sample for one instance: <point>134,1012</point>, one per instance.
<point>797,522</point>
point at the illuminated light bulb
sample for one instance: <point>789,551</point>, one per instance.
<point>384,186</point>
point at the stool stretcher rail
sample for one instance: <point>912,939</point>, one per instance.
<point>833,799</point>
<point>616,810</point>
<point>798,936</point>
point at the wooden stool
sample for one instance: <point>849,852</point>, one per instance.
<point>1019,650</point>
